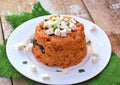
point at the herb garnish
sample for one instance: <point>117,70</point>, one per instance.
<point>24,62</point>
<point>81,70</point>
<point>68,23</point>
<point>88,42</point>
<point>58,70</point>
<point>54,20</point>
<point>55,27</point>
<point>58,15</point>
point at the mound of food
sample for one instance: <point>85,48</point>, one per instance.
<point>59,41</point>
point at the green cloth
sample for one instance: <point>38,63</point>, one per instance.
<point>109,76</point>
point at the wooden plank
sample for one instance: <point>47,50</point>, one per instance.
<point>3,81</point>
<point>6,8</point>
<point>108,19</point>
<point>1,35</point>
<point>71,7</point>
<point>19,81</point>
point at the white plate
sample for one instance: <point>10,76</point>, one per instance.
<point>23,33</point>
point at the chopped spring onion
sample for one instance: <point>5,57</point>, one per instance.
<point>68,23</point>
<point>81,70</point>
<point>54,20</point>
<point>88,42</point>
<point>58,70</point>
<point>24,62</point>
<point>55,27</point>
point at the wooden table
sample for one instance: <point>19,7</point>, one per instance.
<point>104,13</point>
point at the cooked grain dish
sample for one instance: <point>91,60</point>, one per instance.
<point>59,48</point>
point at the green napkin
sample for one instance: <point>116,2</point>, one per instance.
<point>109,76</point>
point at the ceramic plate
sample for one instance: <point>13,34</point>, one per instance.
<point>24,33</point>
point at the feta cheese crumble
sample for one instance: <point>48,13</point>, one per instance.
<point>93,28</point>
<point>34,68</point>
<point>50,31</point>
<point>21,46</point>
<point>60,25</point>
<point>65,71</point>
<point>29,47</point>
<point>94,57</point>
<point>45,76</point>
<point>94,52</point>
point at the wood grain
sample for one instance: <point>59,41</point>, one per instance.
<point>8,8</point>
<point>3,81</point>
<point>107,19</point>
<point>19,81</point>
<point>1,34</point>
<point>71,7</point>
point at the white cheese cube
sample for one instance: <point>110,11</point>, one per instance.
<point>45,25</point>
<point>61,18</point>
<point>63,25</point>
<point>68,30</point>
<point>57,32</point>
<point>94,59</point>
<point>72,20</point>
<point>93,28</point>
<point>66,19</point>
<point>63,33</point>
<point>94,52</point>
<point>56,23</point>
<point>50,31</point>
<point>34,68</point>
<point>65,71</point>
<point>49,23</point>
<point>21,46</point>
<point>53,18</point>
<point>72,26</point>
<point>29,47</point>
<point>45,76</point>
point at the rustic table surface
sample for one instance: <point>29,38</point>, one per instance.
<point>104,13</point>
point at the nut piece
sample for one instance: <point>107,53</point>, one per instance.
<point>21,46</point>
<point>34,68</point>
<point>45,76</point>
